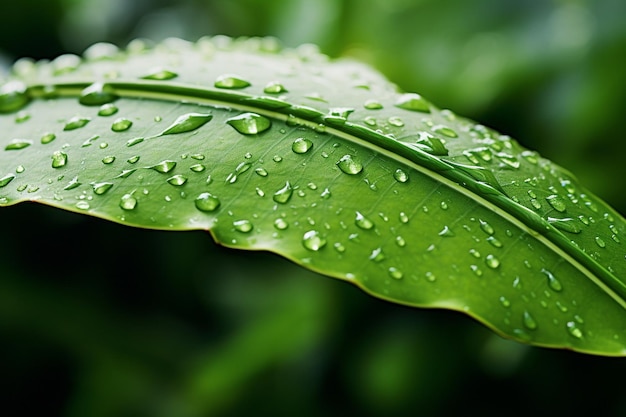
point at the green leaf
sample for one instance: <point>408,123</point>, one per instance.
<point>326,164</point>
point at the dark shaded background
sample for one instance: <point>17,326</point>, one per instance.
<point>98,319</point>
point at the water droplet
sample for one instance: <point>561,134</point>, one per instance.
<point>17,144</point>
<point>531,157</point>
<point>395,273</point>
<point>377,255</point>
<point>128,202</point>
<point>400,175</point>
<point>493,241</point>
<point>600,242</point>
<point>101,187</point>
<point>283,195</point>
<point>21,117</point>
<point>535,203</point>
<point>207,202</point>
<point>504,301</point>
<point>197,168</point>
<point>261,172</point>
<point>76,122</point>
<point>445,130</point>
<point>133,159</point>
<point>121,124</point>
<point>160,74</point>
<point>556,202</point>
<point>249,123</point>
<point>108,160</point>
<point>573,330</point>
<point>281,224</point>
<point>363,222</point>
<point>486,227</point>
<point>20,169</point>
<point>277,158</point>
<point>400,241</point>
<point>107,109</point>
<point>413,102</point>
<point>4,181</point>
<point>446,232</point>
<point>443,205</point>
<point>508,160</point>
<point>83,205</point>
<point>313,241</point>
<point>529,321</point>
<point>395,121</point>
<point>553,283</point>
<point>274,87</point>
<point>566,225</point>
<point>59,159</point>
<point>230,81</point>
<point>243,226</point>
<point>47,138</point>
<point>403,217</point>
<point>164,166</point>
<point>13,96</point>
<point>372,104</point>
<point>350,165</point>
<point>187,123</point>
<point>177,180</point>
<point>301,145</point>
<point>97,94</point>
<point>491,261</point>
<point>370,121</point>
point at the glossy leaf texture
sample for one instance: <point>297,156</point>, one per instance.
<point>327,164</point>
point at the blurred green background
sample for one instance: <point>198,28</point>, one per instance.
<point>98,319</point>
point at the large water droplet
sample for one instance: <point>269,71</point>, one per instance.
<point>59,159</point>
<point>313,241</point>
<point>128,202</point>
<point>283,195</point>
<point>4,181</point>
<point>250,123</point>
<point>17,144</point>
<point>414,102</point>
<point>400,175</point>
<point>108,160</point>
<point>281,224</point>
<point>207,202</point>
<point>187,123</point>
<point>101,187</point>
<point>363,222</point>
<point>160,74</point>
<point>47,138</point>
<point>566,225</point>
<point>177,180</point>
<point>121,124</point>
<point>372,104</point>
<point>243,225</point>
<point>230,81</point>
<point>76,122</point>
<point>97,94</point>
<point>301,145</point>
<point>164,166</point>
<point>13,96</point>
<point>350,165</point>
<point>107,109</point>
<point>553,283</point>
<point>556,202</point>
<point>492,262</point>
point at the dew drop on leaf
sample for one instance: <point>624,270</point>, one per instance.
<point>17,144</point>
<point>230,81</point>
<point>553,282</point>
<point>177,180</point>
<point>107,109</point>
<point>207,202</point>
<point>313,241</point>
<point>101,187</point>
<point>13,96</point>
<point>556,202</point>
<point>187,123</point>
<point>504,301</point>
<point>134,141</point>
<point>83,205</point>
<point>197,168</point>
<point>59,159</point>
<point>445,130</point>
<point>283,195</point>
<point>301,145</point>
<point>47,138</point>
<point>413,102</point>
<point>281,224</point>
<point>573,330</point>
<point>395,273</point>
<point>492,262</point>
<point>372,104</point>
<point>363,222</point>
<point>395,121</point>
<point>4,181</point>
<point>249,123</point>
<point>600,242</point>
<point>133,159</point>
<point>529,321</point>
<point>121,124</point>
<point>350,165</point>
<point>164,166</point>
<point>128,202</point>
<point>566,225</point>
<point>108,160</point>
<point>76,122</point>
<point>160,74</point>
<point>486,227</point>
<point>274,87</point>
<point>400,175</point>
<point>243,226</point>
<point>97,94</point>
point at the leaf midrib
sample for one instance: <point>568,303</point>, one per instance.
<point>422,161</point>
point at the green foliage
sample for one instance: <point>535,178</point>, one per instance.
<point>326,164</point>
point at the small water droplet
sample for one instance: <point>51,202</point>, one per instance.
<point>531,157</point>
<point>443,205</point>
<point>76,122</point>
<point>372,104</point>
<point>107,109</point>
<point>277,158</point>
<point>261,172</point>
<point>600,241</point>
<point>446,232</point>
<point>128,202</point>
<point>133,159</point>
<point>249,123</point>
<point>160,74</point>
<point>313,241</point>
<point>350,165</point>
<point>556,202</point>
<point>108,160</point>
<point>400,241</point>
<point>97,94</point>
<point>573,330</point>
<point>492,262</point>
<point>553,282</point>
<point>504,301</point>
<point>4,181</point>
<point>400,175</point>
<point>17,144</point>
<point>395,273</point>
<point>177,180</point>
<point>243,226</point>
<point>529,321</point>
<point>339,247</point>
<point>197,168</point>
<point>403,217</point>
<point>274,87</point>
<point>493,241</point>
<point>59,159</point>
<point>301,145</point>
<point>363,222</point>
<point>13,96</point>
<point>413,102</point>
<point>281,224</point>
<point>486,227</point>
<point>283,195</point>
<point>164,166</point>
<point>566,225</point>
<point>121,124</point>
<point>83,205</point>
<point>445,130</point>
<point>101,187</point>
<point>47,138</point>
<point>230,81</point>
<point>395,121</point>
<point>207,202</point>
<point>187,123</point>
